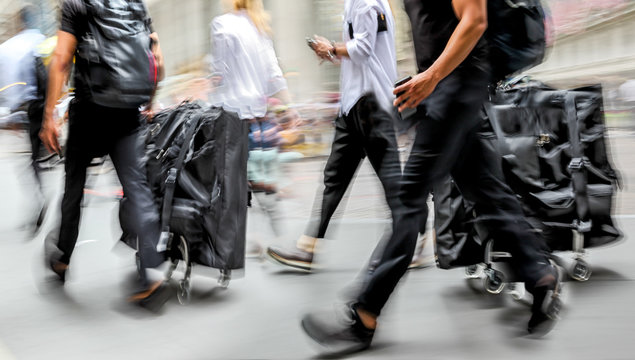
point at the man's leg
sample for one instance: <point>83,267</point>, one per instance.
<point>78,157</point>
<point>479,177</point>
<point>127,154</point>
<point>346,154</point>
<point>480,180</point>
<point>436,147</point>
<point>433,150</point>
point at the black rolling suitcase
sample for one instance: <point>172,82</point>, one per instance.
<point>554,157</point>
<point>196,160</point>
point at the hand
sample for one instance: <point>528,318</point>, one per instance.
<point>323,48</point>
<point>148,114</point>
<point>49,134</point>
<point>416,90</point>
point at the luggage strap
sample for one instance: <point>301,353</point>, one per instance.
<point>170,183</point>
<point>577,166</point>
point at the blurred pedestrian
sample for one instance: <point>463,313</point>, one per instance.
<point>365,124</point>
<point>448,92</point>
<point>246,72</point>
<point>104,118</point>
<point>21,92</point>
<point>263,168</point>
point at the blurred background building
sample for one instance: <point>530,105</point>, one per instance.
<point>591,42</point>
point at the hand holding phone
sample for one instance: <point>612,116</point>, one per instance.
<point>311,43</point>
<point>407,112</point>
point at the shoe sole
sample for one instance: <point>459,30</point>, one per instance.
<point>298,265</point>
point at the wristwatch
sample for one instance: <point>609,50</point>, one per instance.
<point>333,48</point>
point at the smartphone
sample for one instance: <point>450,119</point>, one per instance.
<point>401,82</point>
<point>406,113</point>
<point>311,43</point>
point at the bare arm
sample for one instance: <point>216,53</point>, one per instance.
<point>472,15</point>
<point>59,70</point>
<point>158,55</point>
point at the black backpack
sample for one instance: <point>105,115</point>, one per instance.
<point>516,34</point>
<point>120,71</point>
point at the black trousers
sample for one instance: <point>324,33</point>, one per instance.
<point>367,130</point>
<point>96,131</point>
<point>446,144</point>
<point>35,113</point>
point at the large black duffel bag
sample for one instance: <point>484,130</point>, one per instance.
<point>202,151</point>
<point>554,157</point>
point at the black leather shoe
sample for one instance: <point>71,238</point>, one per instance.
<point>545,310</point>
<point>295,258</point>
<point>339,332</point>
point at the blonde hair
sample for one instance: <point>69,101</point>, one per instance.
<point>256,12</point>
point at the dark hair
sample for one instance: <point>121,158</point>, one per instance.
<point>28,16</point>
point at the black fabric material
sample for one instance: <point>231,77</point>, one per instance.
<point>95,131</point>
<point>74,20</point>
<point>367,130</point>
<point>448,144</point>
<point>437,20</point>
<point>114,66</point>
<point>544,130</point>
<point>174,172</point>
<point>540,131</point>
<point>210,197</point>
<point>515,34</point>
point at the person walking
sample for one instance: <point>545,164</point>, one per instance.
<point>448,93</point>
<point>106,120</point>
<point>246,69</point>
<point>20,93</point>
<point>365,126</point>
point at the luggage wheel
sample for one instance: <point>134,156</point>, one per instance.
<point>580,271</point>
<point>494,281</point>
<point>184,290</point>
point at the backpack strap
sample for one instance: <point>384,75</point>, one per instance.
<point>578,165</point>
<point>170,181</point>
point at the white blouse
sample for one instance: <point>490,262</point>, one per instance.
<point>247,64</point>
<point>372,66</point>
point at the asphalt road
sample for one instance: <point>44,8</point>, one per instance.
<point>435,314</point>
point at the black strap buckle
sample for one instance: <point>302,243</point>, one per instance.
<point>582,226</point>
<point>576,164</point>
<point>171,179</point>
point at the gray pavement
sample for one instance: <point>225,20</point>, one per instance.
<point>435,314</point>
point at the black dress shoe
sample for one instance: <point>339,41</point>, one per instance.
<point>294,258</point>
<point>338,333</point>
<point>545,310</point>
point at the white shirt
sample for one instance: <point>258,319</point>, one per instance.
<point>372,66</point>
<point>245,59</point>
<point>17,65</point>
